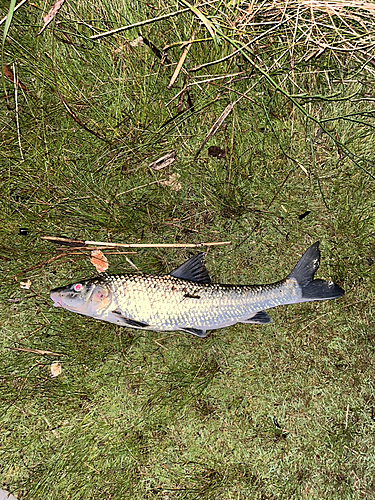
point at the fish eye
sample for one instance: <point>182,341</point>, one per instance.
<point>77,287</point>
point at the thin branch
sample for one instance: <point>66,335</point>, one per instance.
<point>35,351</point>
<point>70,242</point>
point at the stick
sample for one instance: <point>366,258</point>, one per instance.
<point>160,245</point>
<point>52,259</point>
<point>69,241</point>
<point>35,351</point>
<point>64,241</point>
<point>82,250</point>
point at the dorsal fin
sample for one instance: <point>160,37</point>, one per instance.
<point>193,270</point>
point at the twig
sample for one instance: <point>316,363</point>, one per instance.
<point>64,241</point>
<point>35,351</point>
<point>83,248</point>
<point>69,242</point>
<point>43,263</point>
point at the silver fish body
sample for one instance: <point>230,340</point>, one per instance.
<point>187,300</point>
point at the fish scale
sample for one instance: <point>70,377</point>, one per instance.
<point>187,300</point>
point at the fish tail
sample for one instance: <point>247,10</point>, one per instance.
<point>304,272</point>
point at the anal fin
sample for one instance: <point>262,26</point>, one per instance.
<point>260,318</point>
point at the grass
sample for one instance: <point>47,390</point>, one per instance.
<point>284,411</point>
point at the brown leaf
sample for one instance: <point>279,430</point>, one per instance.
<point>99,260</point>
<point>51,14</point>
<point>8,73</point>
<point>216,152</point>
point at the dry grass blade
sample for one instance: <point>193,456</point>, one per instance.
<point>180,63</point>
<point>141,23</point>
<point>51,14</point>
<point>215,127</point>
<point>203,19</point>
<point>139,187</point>
<point>77,120</point>
<point>35,351</point>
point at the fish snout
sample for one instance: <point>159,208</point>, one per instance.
<point>56,297</point>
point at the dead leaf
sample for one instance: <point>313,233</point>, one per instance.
<point>51,14</point>
<point>8,73</point>
<point>172,182</point>
<point>25,284</point>
<point>216,152</point>
<point>99,260</point>
<point>55,369</point>
<point>136,42</point>
<point>164,161</point>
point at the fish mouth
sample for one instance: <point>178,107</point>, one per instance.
<point>56,297</point>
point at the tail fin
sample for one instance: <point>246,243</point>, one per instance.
<point>304,272</point>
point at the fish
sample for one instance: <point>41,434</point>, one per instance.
<point>188,301</point>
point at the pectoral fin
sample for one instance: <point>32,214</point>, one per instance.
<point>116,317</point>
<point>261,318</point>
<point>194,331</point>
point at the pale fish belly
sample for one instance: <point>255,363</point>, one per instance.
<point>168,303</point>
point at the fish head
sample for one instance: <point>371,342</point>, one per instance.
<point>87,297</point>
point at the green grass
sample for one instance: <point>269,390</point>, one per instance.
<point>285,411</point>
